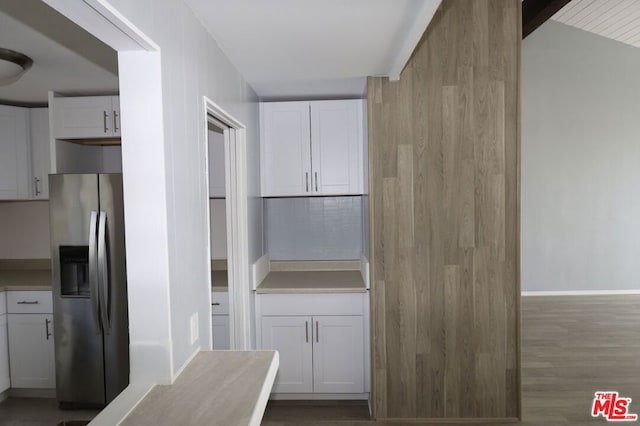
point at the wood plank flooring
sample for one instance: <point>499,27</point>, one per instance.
<point>571,347</point>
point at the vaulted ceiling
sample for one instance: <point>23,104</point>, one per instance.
<point>615,19</point>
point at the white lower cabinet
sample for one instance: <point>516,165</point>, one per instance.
<point>220,320</point>
<point>338,354</point>
<point>31,351</point>
<point>220,330</point>
<point>318,354</point>
<point>5,381</point>
<point>291,337</point>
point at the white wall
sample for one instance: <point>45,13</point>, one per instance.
<point>24,230</point>
<point>580,161</point>
<point>164,178</point>
<point>193,66</point>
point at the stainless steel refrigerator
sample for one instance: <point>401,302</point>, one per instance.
<point>89,288</point>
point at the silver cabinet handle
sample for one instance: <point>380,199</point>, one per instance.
<point>316,181</point>
<point>115,121</point>
<point>28,302</point>
<point>317,333</point>
<point>306,329</point>
<point>37,185</point>
<point>306,176</point>
<point>47,321</point>
<point>104,121</point>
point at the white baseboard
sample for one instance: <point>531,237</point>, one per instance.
<point>31,393</point>
<point>319,396</point>
<point>580,292</point>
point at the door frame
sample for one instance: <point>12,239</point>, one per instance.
<point>235,166</point>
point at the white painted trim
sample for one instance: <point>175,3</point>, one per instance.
<point>320,396</point>
<point>120,408</point>
<point>123,24</point>
<point>259,270</point>
<point>364,271</point>
<point>237,225</point>
<point>580,293</point>
<point>265,390</point>
<point>408,45</point>
<point>103,21</point>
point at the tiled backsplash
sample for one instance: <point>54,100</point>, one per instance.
<point>315,228</point>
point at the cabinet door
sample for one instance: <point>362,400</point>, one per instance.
<point>291,337</point>
<point>336,144</point>
<point>31,351</point>
<point>285,149</point>
<point>4,355</point>
<point>40,152</point>
<point>15,180</point>
<point>84,117</point>
<point>115,115</point>
<point>216,165</point>
<point>338,354</point>
<point>220,326</point>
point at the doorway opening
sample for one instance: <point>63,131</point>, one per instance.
<point>226,172</point>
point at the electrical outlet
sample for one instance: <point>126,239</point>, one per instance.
<point>194,328</point>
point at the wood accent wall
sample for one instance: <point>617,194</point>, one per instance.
<point>444,147</point>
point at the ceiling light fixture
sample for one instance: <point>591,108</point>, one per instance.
<point>12,66</point>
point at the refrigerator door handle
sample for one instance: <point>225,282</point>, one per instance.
<point>93,270</point>
<point>103,271</point>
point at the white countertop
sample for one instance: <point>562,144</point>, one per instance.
<point>312,282</point>
<point>216,388</point>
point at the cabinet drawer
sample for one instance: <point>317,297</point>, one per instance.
<point>219,303</point>
<point>29,302</point>
<point>3,302</point>
<point>313,304</point>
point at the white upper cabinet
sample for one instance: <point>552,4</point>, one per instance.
<point>87,117</point>
<point>336,147</point>
<point>216,165</point>
<point>14,153</point>
<point>285,149</point>
<point>312,148</point>
<point>40,152</point>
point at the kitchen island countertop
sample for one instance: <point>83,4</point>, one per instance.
<point>216,388</point>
